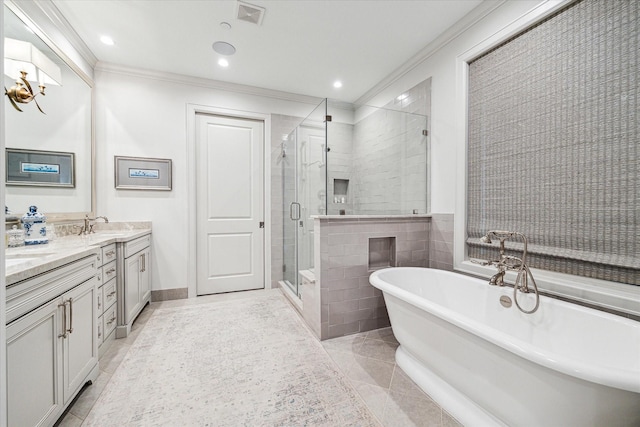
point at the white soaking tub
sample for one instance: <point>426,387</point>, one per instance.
<point>564,365</point>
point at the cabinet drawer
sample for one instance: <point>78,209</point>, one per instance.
<point>136,245</point>
<point>108,253</point>
<point>109,320</point>
<point>109,271</point>
<point>109,294</point>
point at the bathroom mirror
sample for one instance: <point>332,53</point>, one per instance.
<point>65,126</point>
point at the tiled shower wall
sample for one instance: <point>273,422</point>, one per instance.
<point>390,156</point>
<point>348,303</point>
<point>339,165</point>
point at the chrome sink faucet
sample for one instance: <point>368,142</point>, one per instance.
<point>508,262</point>
<point>87,228</point>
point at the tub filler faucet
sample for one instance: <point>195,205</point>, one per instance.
<point>512,263</point>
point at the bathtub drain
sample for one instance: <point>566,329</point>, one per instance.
<point>505,301</point>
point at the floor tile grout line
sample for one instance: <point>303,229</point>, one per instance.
<point>386,401</point>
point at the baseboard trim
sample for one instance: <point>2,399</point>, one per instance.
<point>169,294</point>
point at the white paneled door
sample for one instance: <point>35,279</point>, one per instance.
<point>230,204</point>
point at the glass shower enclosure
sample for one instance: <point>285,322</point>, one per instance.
<point>304,182</point>
<point>346,159</point>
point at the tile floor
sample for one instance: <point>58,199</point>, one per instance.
<point>365,359</point>
<point>368,361</point>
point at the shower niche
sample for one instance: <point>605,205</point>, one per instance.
<point>340,190</point>
<point>382,252</point>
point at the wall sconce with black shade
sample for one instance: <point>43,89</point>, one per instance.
<point>23,61</point>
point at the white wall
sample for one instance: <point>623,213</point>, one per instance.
<point>145,115</point>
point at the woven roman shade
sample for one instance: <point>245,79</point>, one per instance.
<point>553,142</point>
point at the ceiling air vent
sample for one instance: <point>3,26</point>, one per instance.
<point>250,13</point>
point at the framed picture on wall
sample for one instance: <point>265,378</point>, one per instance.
<point>140,173</point>
<point>40,168</point>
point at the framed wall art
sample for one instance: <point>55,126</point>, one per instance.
<point>139,173</point>
<point>40,168</point>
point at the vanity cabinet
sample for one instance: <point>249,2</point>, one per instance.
<point>52,350</point>
<point>134,281</point>
<point>107,296</point>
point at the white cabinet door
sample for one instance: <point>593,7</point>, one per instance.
<point>132,300</point>
<point>80,349</point>
<point>34,363</point>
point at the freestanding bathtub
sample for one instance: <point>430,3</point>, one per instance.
<point>564,365</point>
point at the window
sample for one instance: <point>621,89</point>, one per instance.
<point>554,132</point>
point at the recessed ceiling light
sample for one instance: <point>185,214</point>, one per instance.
<point>224,48</point>
<point>107,40</point>
<point>223,62</point>
<point>225,25</point>
<point>337,84</point>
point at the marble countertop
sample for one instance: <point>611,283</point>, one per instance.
<point>28,261</point>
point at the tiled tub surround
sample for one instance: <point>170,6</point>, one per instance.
<point>342,301</point>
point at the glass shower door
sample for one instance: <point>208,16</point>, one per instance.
<point>304,193</point>
<point>291,209</point>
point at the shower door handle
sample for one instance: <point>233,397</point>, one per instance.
<point>294,207</point>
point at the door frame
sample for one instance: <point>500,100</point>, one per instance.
<point>192,111</point>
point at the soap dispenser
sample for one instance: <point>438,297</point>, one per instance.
<point>35,227</point>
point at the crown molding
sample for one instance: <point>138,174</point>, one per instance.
<point>461,26</point>
<point>205,83</point>
<point>51,26</point>
<point>54,14</point>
